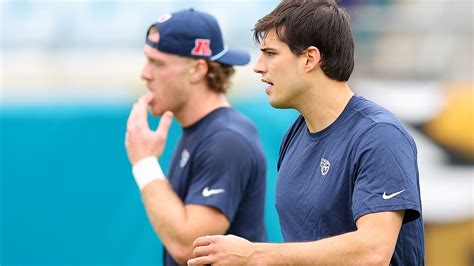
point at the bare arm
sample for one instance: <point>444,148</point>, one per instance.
<point>179,225</point>
<point>176,224</point>
<point>372,244</point>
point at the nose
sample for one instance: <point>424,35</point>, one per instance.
<point>145,74</point>
<point>259,66</point>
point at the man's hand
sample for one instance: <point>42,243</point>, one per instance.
<point>140,140</point>
<point>222,250</point>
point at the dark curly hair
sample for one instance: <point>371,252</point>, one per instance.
<point>218,76</point>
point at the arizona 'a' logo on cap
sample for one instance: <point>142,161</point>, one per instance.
<point>202,47</point>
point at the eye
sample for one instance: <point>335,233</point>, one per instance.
<point>156,62</point>
<point>270,54</point>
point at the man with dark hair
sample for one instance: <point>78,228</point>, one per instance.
<point>216,179</point>
<point>348,189</point>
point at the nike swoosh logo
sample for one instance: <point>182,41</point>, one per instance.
<point>385,196</point>
<point>206,192</point>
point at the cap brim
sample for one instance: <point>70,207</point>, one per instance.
<point>235,57</point>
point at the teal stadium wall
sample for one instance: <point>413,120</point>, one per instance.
<point>67,193</point>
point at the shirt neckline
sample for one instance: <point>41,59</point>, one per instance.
<point>338,123</point>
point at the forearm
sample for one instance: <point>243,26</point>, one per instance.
<point>167,215</point>
<point>349,248</point>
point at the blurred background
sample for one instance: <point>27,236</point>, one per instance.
<point>70,72</point>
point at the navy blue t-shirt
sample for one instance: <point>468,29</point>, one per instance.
<point>365,162</point>
<point>219,162</point>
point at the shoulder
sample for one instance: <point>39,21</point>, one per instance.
<point>385,134</point>
<point>376,124</point>
<point>226,137</point>
<point>374,113</point>
<point>228,146</point>
<point>229,119</point>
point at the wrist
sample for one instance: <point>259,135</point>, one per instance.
<point>147,170</point>
<point>264,254</point>
<point>258,255</point>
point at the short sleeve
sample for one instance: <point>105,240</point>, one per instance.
<point>386,174</point>
<point>220,173</point>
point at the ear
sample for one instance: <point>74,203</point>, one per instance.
<point>313,58</point>
<point>153,34</point>
<point>198,70</point>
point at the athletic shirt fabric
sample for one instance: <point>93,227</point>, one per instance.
<point>365,162</point>
<point>219,162</point>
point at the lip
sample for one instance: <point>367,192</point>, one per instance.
<point>270,85</point>
<point>268,89</point>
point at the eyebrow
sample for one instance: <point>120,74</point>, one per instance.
<point>156,60</point>
<point>267,49</point>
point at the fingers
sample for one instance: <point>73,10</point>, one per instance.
<point>142,109</point>
<point>202,260</point>
<point>164,125</point>
<point>127,139</point>
<point>131,118</point>
<point>149,97</point>
<point>139,114</point>
<point>205,250</point>
<point>204,241</point>
<point>201,251</point>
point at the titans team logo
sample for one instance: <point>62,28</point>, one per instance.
<point>184,158</point>
<point>324,166</point>
<point>202,47</point>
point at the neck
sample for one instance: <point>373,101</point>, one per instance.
<point>201,103</point>
<point>324,103</point>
